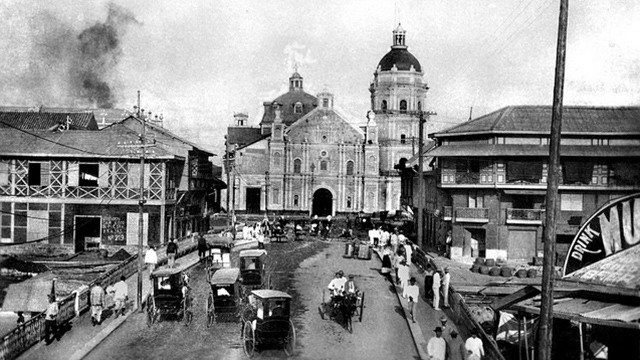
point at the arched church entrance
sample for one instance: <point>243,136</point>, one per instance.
<point>322,202</point>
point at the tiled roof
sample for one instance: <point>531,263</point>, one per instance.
<point>287,102</point>
<point>533,150</point>
<point>242,136</point>
<point>30,120</point>
<point>78,143</point>
<point>537,120</point>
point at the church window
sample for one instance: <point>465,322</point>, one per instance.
<point>323,153</point>
<point>349,167</point>
<point>403,139</point>
<point>323,165</point>
<point>276,159</point>
<point>325,103</point>
<point>419,105</point>
<point>384,105</point>
<point>296,200</point>
<point>349,202</point>
<point>297,108</point>
<point>324,138</point>
<point>275,198</point>
<point>297,165</point>
<point>403,106</point>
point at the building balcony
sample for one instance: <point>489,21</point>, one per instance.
<point>447,213</point>
<point>525,216</point>
<point>472,215</point>
<point>467,178</point>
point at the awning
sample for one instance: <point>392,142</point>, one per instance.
<point>481,150</point>
<point>524,192</point>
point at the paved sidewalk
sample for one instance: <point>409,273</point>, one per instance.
<point>79,336</point>
<point>427,319</point>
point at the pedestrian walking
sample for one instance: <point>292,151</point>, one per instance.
<point>20,320</point>
<point>408,250</point>
<point>446,279</point>
<point>474,346</point>
<point>403,275</point>
<point>435,287</point>
<point>457,351</point>
<point>120,296</point>
<point>437,346</point>
<point>428,281</point>
<point>172,251</point>
<point>386,263</point>
<point>96,296</point>
<point>413,293</point>
<point>202,247</point>
<point>51,321</point>
<point>399,258</point>
<point>151,259</point>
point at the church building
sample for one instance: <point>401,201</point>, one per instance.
<point>307,157</point>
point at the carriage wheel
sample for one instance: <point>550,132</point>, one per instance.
<point>290,340</point>
<point>361,306</point>
<point>248,340</point>
<point>151,311</point>
<point>209,311</point>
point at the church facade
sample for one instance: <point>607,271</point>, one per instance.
<point>307,157</point>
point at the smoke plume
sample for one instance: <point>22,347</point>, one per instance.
<point>58,65</point>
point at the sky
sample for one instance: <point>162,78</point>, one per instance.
<point>198,62</point>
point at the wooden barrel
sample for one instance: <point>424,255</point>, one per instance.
<point>522,273</point>
<point>475,268</point>
<point>484,270</point>
<point>506,271</point>
<point>494,271</point>
<point>480,261</point>
<point>490,262</point>
<point>531,273</point>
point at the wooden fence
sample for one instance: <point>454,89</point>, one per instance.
<point>31,332</point>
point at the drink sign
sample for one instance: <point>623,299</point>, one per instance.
<point>613,228</point>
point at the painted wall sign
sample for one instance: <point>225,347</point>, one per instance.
<point>614,227</point>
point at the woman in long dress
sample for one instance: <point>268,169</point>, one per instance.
<point>386,262</point>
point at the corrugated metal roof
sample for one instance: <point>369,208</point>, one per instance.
<point>476,150</point>
<point>78,143</point>
<point>537,119</point>
<point>242,136</point>
<point>621,270</point>
<point>30,120</point>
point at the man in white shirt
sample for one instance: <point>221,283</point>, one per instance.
<point>336,286</point>
<point>151,259</point>
<point>474,346</point>
<point>436,290</point>
<point>437,346</point>
<point>413,293</point>
<point>403,275</point>
<point>446,279</point>
<point>120,296</point>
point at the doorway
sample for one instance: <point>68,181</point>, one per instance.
<point>322,202</point>
<point>253,200</point>
<point>87,232</point>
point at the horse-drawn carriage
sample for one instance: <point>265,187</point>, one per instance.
<point>253,273</point>
<point>224,297</point>
<point>343,308</point>
<point>170,295</point>
<point>268,321</point>
<point>218,254</point>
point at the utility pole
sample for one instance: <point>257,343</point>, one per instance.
<point>227,169</point>
<point>312,167</point>
<point>233,201</point>
<point>266,194</point>
<point>141,200</point>
<point>421,189</point>
<point>545,330</point>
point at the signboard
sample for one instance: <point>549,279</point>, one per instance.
<point>614,227</point>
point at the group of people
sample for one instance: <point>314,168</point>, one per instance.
<point>257,231</point>
<point>321,227</point>
<point>436,281</point>
<point>98,297</point>
<point>454,348</point>
<point>341,286</point>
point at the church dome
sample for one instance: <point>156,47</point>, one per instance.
<point>401,58</point>
<point>399,55</point>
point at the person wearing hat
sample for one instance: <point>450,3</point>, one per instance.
<point>403,275</point>
<point>336,286</point>
<point>413,293</point>
<point>457,351</point>
<point>446,279</point>
<point>474,346</point>
<point>350,287</point>
<point>435,287</point>
<point>437,346</point>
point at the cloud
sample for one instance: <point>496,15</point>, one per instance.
<point>297,54</point>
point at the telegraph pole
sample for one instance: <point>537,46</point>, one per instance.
<point>545,330</point>
<point>227,170</point>
<point>266,194</point>
<point>421,189</point>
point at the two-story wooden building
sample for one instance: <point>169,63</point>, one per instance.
<point>493,173</point>
<point>80,189</point>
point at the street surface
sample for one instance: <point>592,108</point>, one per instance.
<point>303,269</point>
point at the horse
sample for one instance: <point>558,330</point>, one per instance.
<point>346,308</point>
